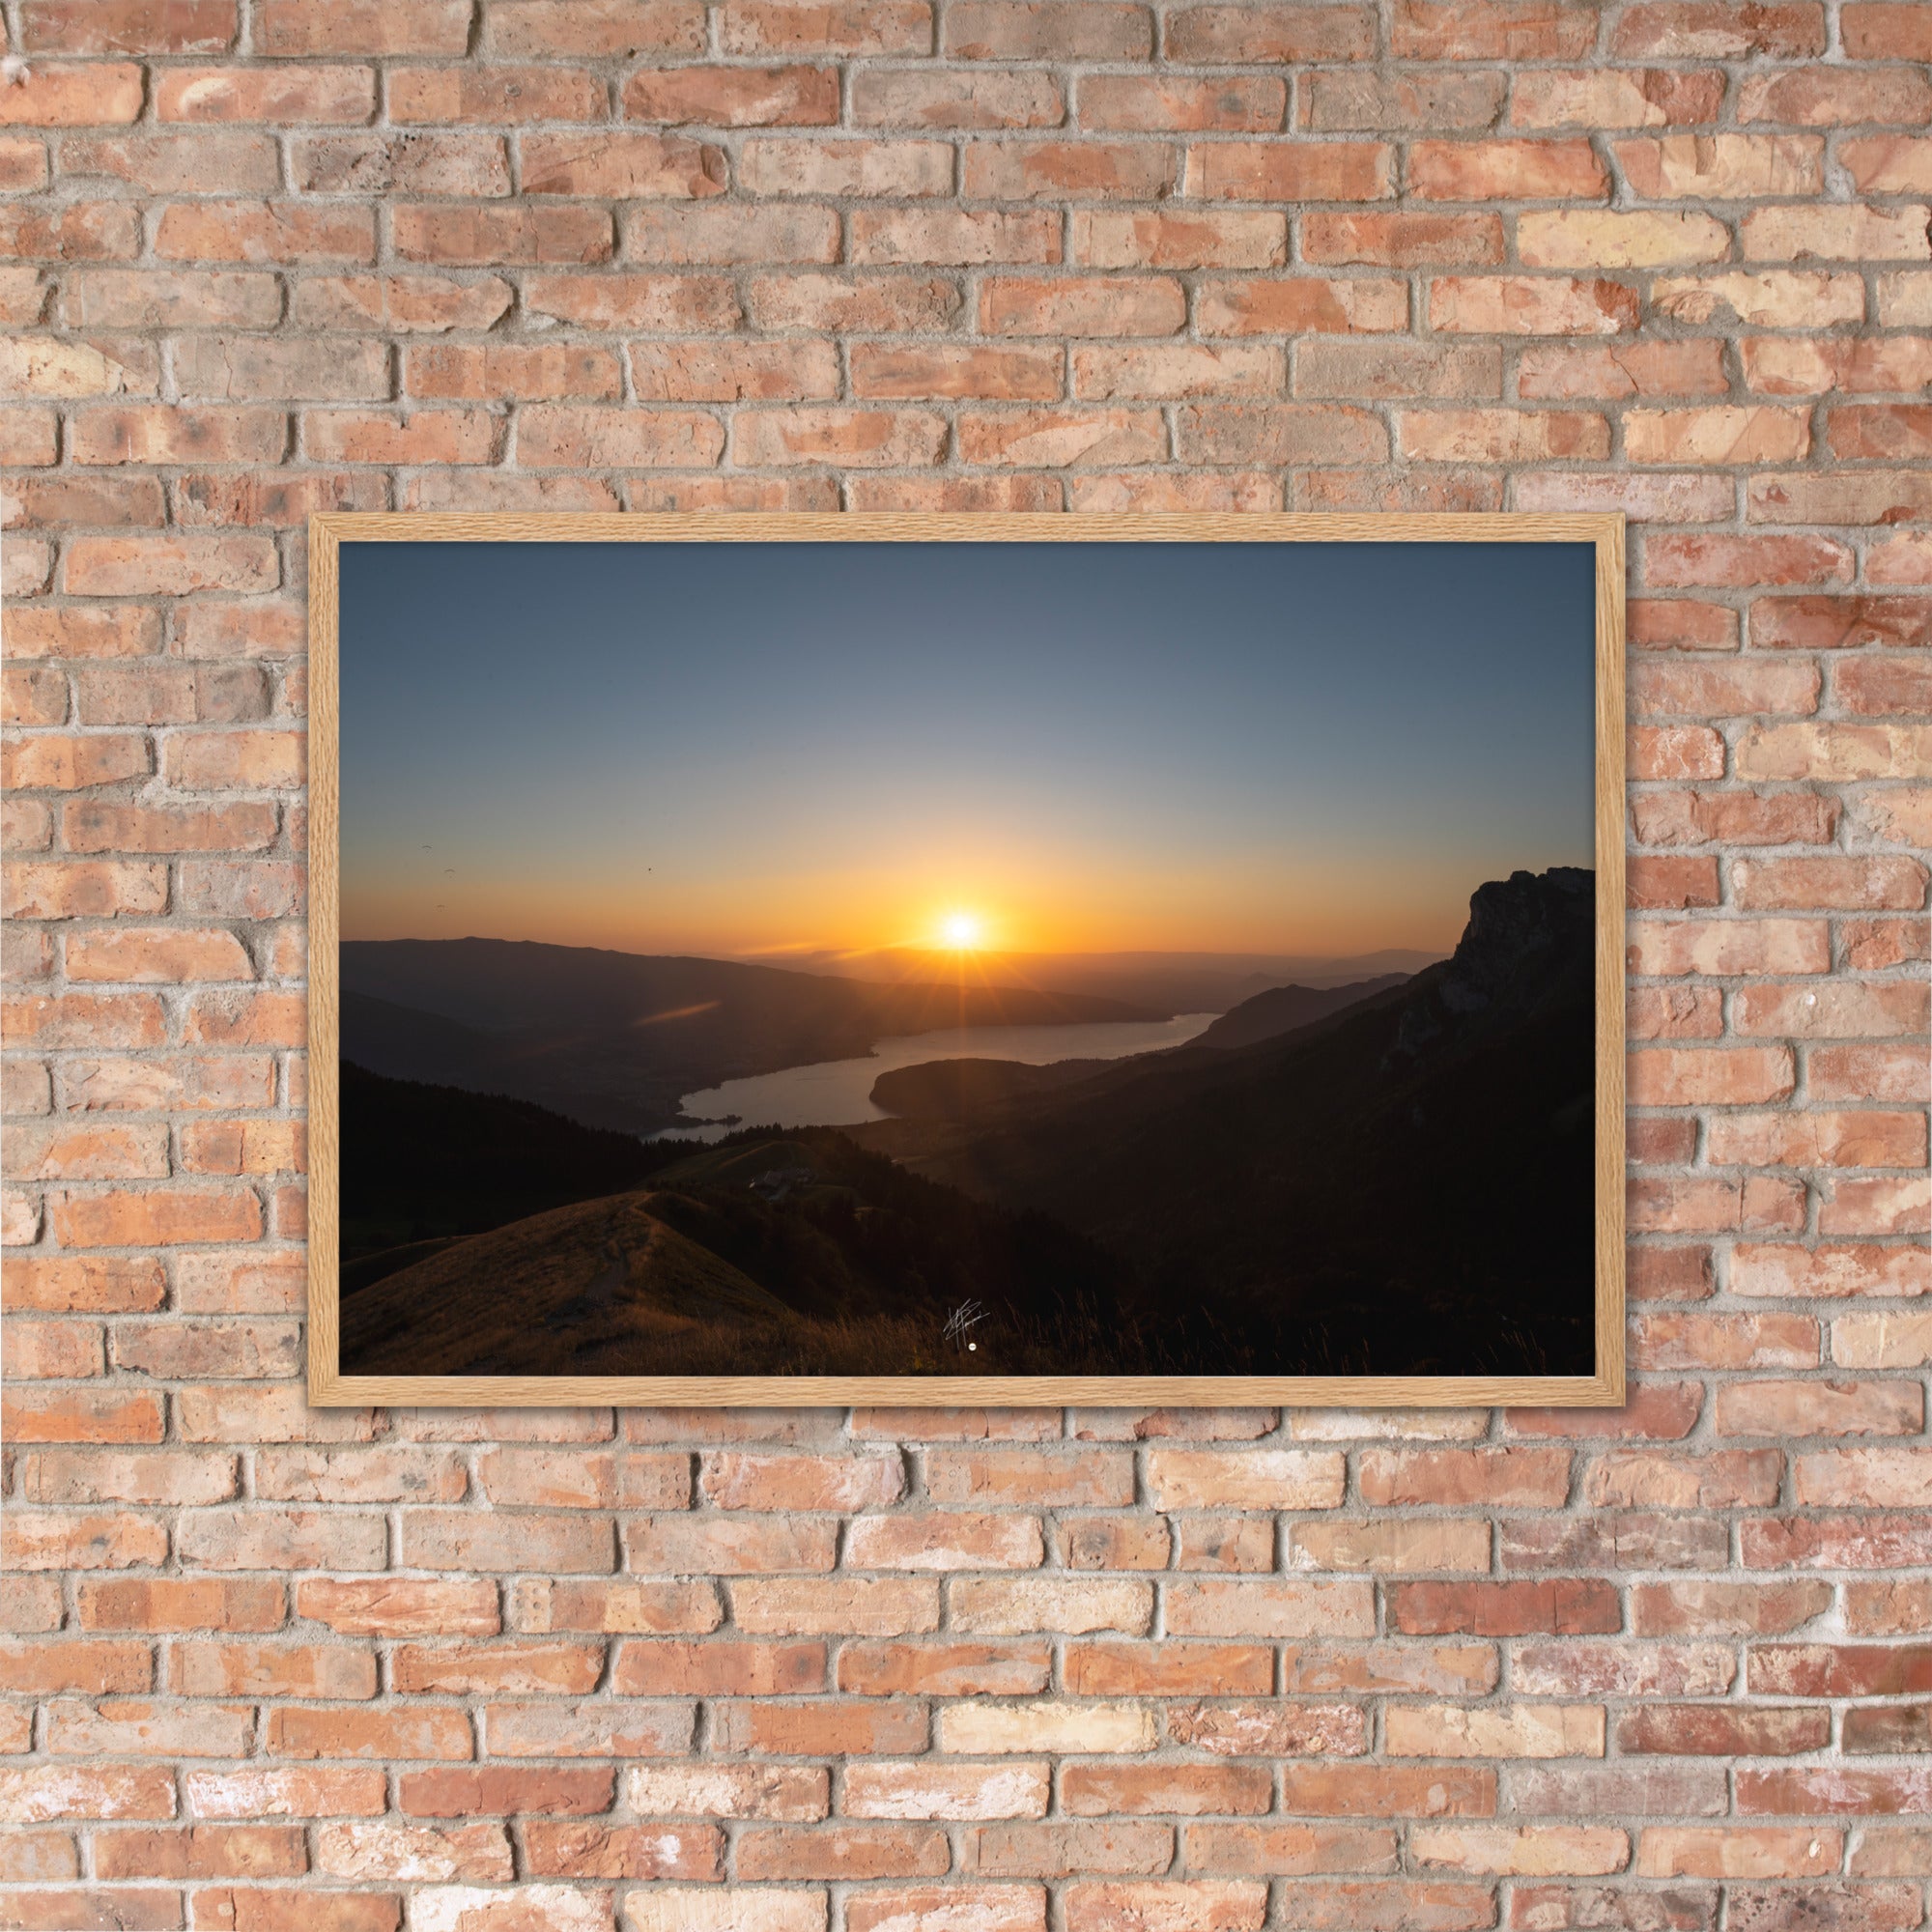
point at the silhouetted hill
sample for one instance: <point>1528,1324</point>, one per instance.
<point>797,1254</point>
<point>1403,1187</point>
<point>1528,948</point>
<point>424,1162</point>
<point>953,1089</point>
<point>948,1089</point>
<point>408,1044</point>
<point>616,1038</point>
<point>1282,1009</point>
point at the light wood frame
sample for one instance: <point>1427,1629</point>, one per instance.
<point>329,1389</point>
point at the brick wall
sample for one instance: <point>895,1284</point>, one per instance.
<point>1110,1672</point>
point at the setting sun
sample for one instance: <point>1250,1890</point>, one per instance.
<point>960,930</point>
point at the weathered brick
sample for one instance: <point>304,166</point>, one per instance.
<point>1531,306</point>
<point>1131,287</point>
<point>1291,172</point>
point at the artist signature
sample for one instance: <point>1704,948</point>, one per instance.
<point>967,1315</point>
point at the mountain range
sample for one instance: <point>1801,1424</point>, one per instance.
<point>613,1039</point>
<point>1168,982</point>
<point>1401,1184</point>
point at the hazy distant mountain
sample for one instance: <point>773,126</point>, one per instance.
<point>408,1043</point>
<point>1170,983</point>
<point>1282,1009</point>
<point>616,1038</point>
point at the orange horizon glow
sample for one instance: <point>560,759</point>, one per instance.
<point>772,919</point>
<point>950,891</point>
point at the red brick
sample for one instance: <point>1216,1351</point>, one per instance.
<point>1850,883</point>
<point>1615,97</point>
<point>942,236</point>
<point>1063,1849</point>
<point>806,167</point>
<point>1530,305</point>
<point>1708,1731</point>
<point>271,94</point>
<point>823,1727</point>
<point>60,94</point>
<point>1679,27</point>
<point>1776,746</point>
<point>1301,305</point>
<point>298,28</point>
<point>469,236</point>
<point>1256,35</point>
<point>271,1791</point>
<point>569,1850</point>
<point>504,1790</point>
<point>81,231</point>
<point>1727,1341</point>
<point>1057,438</point>
<point>201,1851</point>
<point>1559,1607</point>
<point>1291,172</point>
<point>1213,1904</point>
<point>1794,232</point>
<point>885,371</point>
<point>1494,30</point>
<point>1505,171</point>
<point>1033,29</point>
<point>1884,30</point>
<point>852,26</point>
<point>1119,103</point>
<point>526,29</point>
<point>1345,101</point>
<point>729,1791</point>
<point>170,565</point>
<point>909,99</point>
<point>1089,306</point>
<point>733,97</point>
<point>1697,1206</point>
<point>651,301</point>
<point>184,1603</point>
<point>1691,561</point>
<point>428,1732</point>
<point>848,1852</point>
<point>1734,818</point>
<point>866,439</point>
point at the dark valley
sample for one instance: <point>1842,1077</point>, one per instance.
<point>1393,1175</point>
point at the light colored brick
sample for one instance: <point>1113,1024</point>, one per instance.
<point>602,255</point>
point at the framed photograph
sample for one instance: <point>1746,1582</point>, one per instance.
<point>967,960</point>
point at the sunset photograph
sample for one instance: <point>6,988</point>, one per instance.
<point>966,958</point>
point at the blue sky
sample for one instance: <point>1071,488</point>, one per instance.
<point>747,749</point>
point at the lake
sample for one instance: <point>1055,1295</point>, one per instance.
<point>838,1093</point>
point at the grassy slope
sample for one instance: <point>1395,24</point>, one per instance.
<point>421,1162</point>
<point>855,1273</point>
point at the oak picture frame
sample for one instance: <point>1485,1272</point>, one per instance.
<point>329,1387</point>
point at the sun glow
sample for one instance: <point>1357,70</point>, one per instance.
<point>963,932</point>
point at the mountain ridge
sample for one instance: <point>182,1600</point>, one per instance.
<point>1282,1009</point>
<point>616,1040</point>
